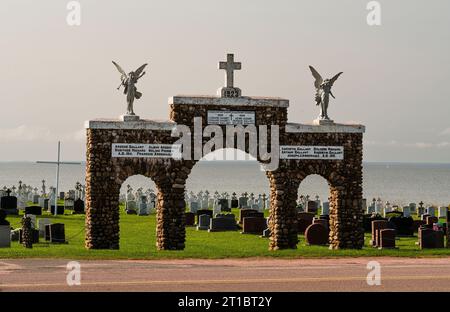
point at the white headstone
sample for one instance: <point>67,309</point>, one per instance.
<point>431,211</point>
<point>406,211</point>
<point>443,212</point>
<point>41,224</point>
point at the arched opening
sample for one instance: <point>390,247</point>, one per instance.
<point>313,207</point>
<point>137,211</point>
<point>228,182</point>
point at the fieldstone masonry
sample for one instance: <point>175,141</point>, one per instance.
<point>105,173</point>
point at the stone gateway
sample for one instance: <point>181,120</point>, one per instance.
<point>341,167</point>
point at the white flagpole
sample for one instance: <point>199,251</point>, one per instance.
<point>57,179</point>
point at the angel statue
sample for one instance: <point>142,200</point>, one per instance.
<point>129,81</point>
<point>323,92</point>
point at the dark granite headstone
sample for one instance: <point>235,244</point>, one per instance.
<point>254,225</point>
<point>312,206</point>
<point>3,220</point>
<point>190,219</point>
<point>247,213</point>
<point>78,206</point>
<point>223,202</point>
<point>57,233</point>
<point>403,225</point>
<point>367,221</point>
<point>427,238</point>
<point>223,223</point>
<point>316,234</point>
<point>9,204</point>
<point>304,219</point>
<point>34,210</point>
<point>387,238</point>
<point>60,210</point>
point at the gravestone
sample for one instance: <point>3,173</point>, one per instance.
<point>316,234</point>
<point>234,203</point>
<point>57,233</point>
<point>69,204</point>
<point>9,204</point>
<point>5,231</point>
<point>194,207</point>
<point>34,210</point>
<point>312,206</point>
<point>243,202</point>
<point>403,225</point>
<point>326,208</point>
<point>204,211</point>
<point>216,208</point>
<point>266,233</point>
<point>442,213</point>
<point>131,207</point>
<point>223,222</point>
<point>78,206</point>
<point>429,238</point>
<point>406,211</point>
<point>190,219</point>
<point>377,226</point>
<point>203,222</point>
<point>60,210</point>
<point>413,207</point>
<point>223,203</point>
<point>36,199</point>
<point>367,221</point>
<point>430,211</point>
<point>387,238</point>
<point>304,219</point>
<point>254,225</point>
<point>41,226</point>
<point>249,213</point>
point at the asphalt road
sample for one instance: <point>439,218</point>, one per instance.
<point>342,274</point>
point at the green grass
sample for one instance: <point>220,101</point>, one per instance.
<point>138,241</point>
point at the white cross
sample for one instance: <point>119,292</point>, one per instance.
<point>230,66</point>
<point>57,163</point>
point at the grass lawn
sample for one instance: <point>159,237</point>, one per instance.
<point>138,237</point>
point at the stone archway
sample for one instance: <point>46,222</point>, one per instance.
<point>333,151</point>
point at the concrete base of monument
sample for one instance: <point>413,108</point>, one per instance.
<point>129,118</point>
<point>321,122</point>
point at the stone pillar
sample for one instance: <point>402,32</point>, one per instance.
<point>283,216</point>
<point>102,196</point>
<point>346,216</point>
<point>170,214</point>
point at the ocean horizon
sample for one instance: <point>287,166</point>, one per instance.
<point>397,182</point>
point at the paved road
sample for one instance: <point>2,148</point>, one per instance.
<point>343,274</point>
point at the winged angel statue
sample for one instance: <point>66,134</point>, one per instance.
<point>323,92</point>
<point>129,82</point>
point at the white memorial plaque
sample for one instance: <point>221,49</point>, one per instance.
<point>311,152</point>
<point>231,117</point>
<point>146,150</point>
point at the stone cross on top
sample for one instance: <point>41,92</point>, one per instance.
<point>229,66</point>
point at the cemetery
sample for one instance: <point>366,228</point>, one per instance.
<point>97,220</point>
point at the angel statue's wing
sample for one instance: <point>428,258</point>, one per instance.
<point>335,78</point>
<point>316,76</point>
<point>124,74</point>
<point>138,71</point>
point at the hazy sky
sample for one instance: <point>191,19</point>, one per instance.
<point>396,77</point>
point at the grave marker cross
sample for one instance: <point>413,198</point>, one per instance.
<point>57,163</point>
